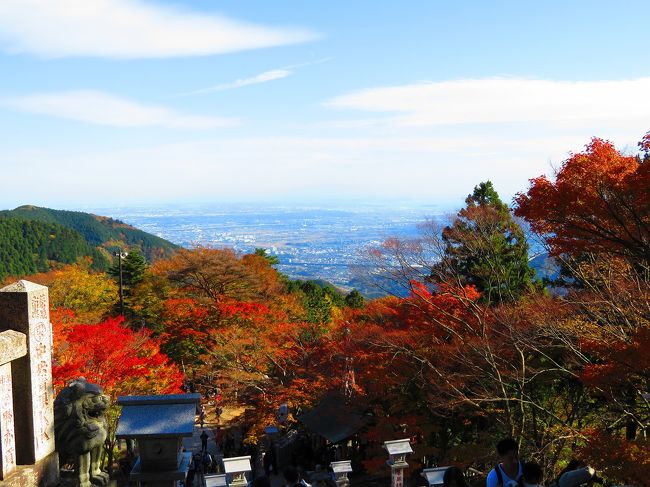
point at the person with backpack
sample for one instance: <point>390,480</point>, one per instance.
<point>507,472</point>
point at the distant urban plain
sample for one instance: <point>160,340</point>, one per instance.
<point>311,242</point>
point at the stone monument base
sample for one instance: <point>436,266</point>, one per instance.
<point>162,478</point>
<point>45,473</point>
<point>69,479</point>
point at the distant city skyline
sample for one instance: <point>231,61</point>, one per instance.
<point>149,102</point>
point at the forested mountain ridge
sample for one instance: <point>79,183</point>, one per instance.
<point>27,247</point>
<point>32,239</point>
<point>98,231</point>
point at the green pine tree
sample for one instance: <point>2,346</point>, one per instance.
<point>486,248</point>
<point>354,299</point>
<point>272,259</point>
<point>134,266</point>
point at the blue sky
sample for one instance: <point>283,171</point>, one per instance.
<point>118,102</point>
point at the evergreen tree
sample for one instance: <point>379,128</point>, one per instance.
<point>318,304</point>
<point>320,299</point>
<point>486,248</point>
<point>354,299</point>
<point>134,266</point>
<point>133,269</point>
<point>272,259</point>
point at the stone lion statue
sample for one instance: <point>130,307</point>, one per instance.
<point>80,430</point>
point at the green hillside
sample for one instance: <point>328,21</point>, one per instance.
<point>98,231</point>
<point>27,247</point>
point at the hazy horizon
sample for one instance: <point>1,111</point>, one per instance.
<point>350,204</point>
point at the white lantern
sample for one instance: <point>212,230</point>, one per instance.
<point>397,451</point>
<point>237,467</point>
<point>341,470</point>
<point>434,476</point>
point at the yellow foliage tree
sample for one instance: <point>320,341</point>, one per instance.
<point>90,295</point>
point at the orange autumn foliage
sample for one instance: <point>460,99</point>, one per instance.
<point>183,317</point>
<point>597,213</point>
<point>599,202</point>
<point>618,363</point>
<point>616,458</point>
<point>215,273</point>
<point>416,338</point>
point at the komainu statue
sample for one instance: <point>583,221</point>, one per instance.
<point>80,430</point>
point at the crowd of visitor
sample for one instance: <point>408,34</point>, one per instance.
<point>304,471</point>
<point>511,471</point>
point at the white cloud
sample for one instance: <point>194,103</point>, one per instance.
<point>254,80</point>
<point>380,156</point>
<point>128,29</point>
<point>450,135</point>
<point>264,77</point>
<point>502,100</point>
<point>105,109</point>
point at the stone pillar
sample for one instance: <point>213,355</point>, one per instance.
<point>24,307</point>
<point>397,474</point>
<point>12,347</point>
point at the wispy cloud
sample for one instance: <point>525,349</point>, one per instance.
<point>254,80</point>
<point>503,100</point>
<point>101,108</point>
<point>129,29</point>
<point>456,145</point>
<point>264,77</point>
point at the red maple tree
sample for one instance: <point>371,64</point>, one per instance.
<point>114,356</point>
<point>599,202</point>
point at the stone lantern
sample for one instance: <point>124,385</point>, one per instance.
<point>341,470</point>
<point>397,451</point>
<point>159,424</point>
<point>237,467</point>
<point>434,476</point>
